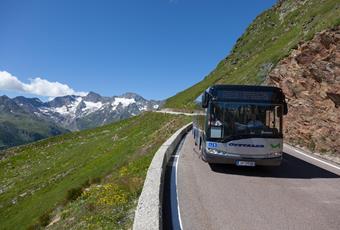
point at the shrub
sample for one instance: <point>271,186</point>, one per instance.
<point>45,219</point>
<point>34,227</point>
<point>73,194</point>
<point>95,180</point>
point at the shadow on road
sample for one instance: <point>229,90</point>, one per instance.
<point>291,167</point>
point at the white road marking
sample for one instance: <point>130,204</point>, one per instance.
<point>177,113</point>
<point>314,158</point>
<point>179,211</point>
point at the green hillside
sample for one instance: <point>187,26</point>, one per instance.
<point>37,178</point>
<point>267,40</point>
<point>18,126</point>
<point>22,129</point>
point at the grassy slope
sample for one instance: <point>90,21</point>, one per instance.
<point>267,40</point>
<point>36,178</point>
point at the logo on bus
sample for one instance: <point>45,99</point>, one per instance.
<point>212,145</point>
<point>246,145</point>
<point>275,146</point>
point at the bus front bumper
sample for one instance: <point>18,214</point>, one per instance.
<point>219,159</point>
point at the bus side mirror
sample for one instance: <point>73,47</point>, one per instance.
<point>285,108</point>
<point>205,100</point>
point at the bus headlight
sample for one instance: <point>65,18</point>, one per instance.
<point>211,151</point>
<point>275,154</point>
<point>221,153</point>
<point>216,152</point>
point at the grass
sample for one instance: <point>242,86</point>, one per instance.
<point>271,37</point>
<point>37,178</point>
<point>110,203</point>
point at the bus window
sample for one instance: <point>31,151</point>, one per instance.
<point>273,118</point>
<point>232,119</point>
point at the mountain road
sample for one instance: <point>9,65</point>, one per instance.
<point>302,193</point>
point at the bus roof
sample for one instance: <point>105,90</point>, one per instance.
<point>249,93</point>
<point>245,87</point>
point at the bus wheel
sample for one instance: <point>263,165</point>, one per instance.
<point>201,150</point>
<point>202,155</point>
<point>195,138</point>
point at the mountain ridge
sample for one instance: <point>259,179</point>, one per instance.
<point>66,113</point>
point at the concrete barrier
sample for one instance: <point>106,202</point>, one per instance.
<point>148,214</point>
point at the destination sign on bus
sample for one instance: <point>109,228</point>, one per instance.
<point>246,96</point>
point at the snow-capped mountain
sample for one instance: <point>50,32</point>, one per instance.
<point>81,112</point>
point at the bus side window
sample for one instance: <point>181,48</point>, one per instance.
<point>278,118</point>
<point>270,119</point>
<point>273,120</point>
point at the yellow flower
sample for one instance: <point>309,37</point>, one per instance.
<point>112,195</point>
<point>123,171</point>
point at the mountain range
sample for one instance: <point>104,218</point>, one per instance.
<point>23,120</point>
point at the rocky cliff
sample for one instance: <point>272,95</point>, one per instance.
<point>310,78</point>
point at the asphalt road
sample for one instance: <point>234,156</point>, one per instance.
<point>296,195</point>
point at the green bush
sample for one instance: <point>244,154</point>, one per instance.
<point>45,219</point>
<point>73,194</point>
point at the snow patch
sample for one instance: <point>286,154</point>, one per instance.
<point>92,106</point>
<point>62,110</point>
<point>124,101</point>
<point>65,109</point>
<point>144,108</point>
<point>44,110</point>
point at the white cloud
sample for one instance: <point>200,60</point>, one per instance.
<point>9,82</point>
<point>36,86</point>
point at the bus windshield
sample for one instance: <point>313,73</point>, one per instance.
<point>230,121</point>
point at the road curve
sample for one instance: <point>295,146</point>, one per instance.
<point>296,195</point>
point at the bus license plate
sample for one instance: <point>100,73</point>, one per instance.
<point>245,163</point>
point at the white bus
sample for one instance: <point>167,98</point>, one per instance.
<point>241,125</point>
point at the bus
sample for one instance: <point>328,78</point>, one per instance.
<point>241,125</point>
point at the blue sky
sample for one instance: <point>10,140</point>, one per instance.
<point>152,47</point>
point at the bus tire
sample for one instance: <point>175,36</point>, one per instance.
<point>201,151</point>
<point>203,156</point>
<point>195,138</point>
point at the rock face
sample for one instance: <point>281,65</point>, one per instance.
<point>310,78</point>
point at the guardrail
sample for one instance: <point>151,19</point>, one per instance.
<point>148,214</point>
